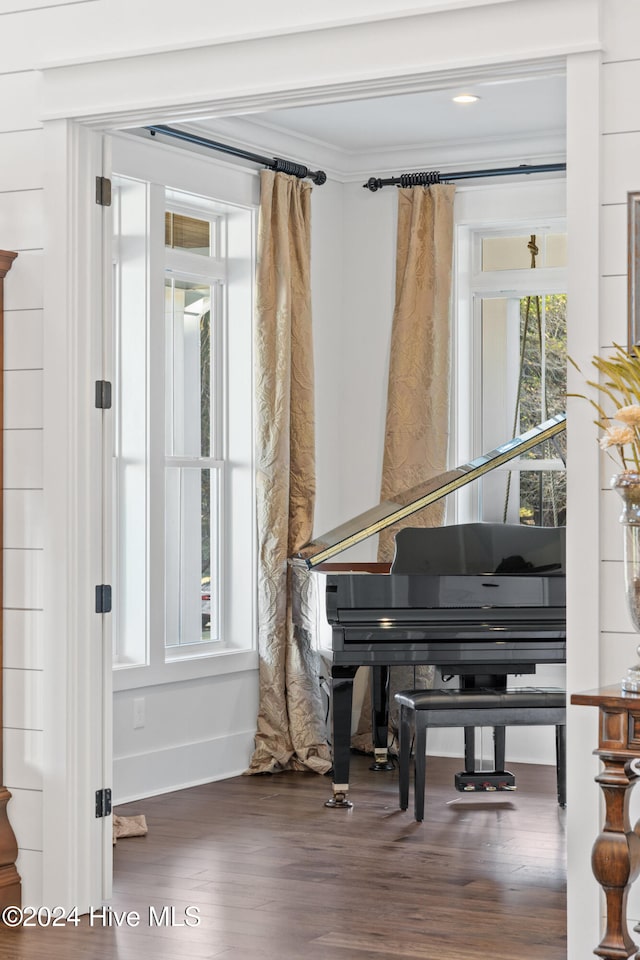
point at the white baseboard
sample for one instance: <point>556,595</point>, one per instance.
<point>178,767</point>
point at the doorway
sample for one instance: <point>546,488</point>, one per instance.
<point>345,90</point>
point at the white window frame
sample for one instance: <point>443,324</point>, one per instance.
<point>537,207</point>
<point>156,166</point>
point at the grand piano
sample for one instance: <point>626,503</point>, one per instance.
<point>480,601</point>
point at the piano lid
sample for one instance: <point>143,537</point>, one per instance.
<point>387,513</point>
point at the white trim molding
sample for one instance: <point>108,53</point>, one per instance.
<point>230,25</point>
<point>583,491</point>
<point>368,59</point>
<point>74,721</point>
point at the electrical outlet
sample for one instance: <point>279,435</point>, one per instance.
<point>138,712</point>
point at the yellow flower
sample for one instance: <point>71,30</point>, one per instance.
<point>630,414</point>
<point>617,437</point>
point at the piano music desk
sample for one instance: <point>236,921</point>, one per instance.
<point>615,857</point>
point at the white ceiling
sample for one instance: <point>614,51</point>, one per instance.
<point>515,120</point>
<point>505,109</point>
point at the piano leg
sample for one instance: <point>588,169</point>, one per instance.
<point>499,741</point>
<point>341,703</point>
<point>498,778</point>
<point>469,749</point>
<point>380,717</point>
<point>498,747</point>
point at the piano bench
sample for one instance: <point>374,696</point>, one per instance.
<point>475,707</point>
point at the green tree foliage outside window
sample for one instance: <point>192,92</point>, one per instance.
<point>543,394</point>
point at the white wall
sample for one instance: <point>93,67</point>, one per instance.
<point>328,280</point>
<point>195,731</point>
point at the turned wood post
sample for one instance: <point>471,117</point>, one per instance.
<point>10,886</point>
<point>615,858</point>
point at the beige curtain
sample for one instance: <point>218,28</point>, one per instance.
<point>290,726</point>
<point>417,422</point>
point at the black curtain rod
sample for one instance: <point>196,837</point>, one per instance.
<point>428,177</point>
<point>274,163</point>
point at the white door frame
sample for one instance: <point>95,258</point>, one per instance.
<point>78,674</point>
<point>77,845</point>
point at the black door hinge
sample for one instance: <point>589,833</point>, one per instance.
<point>103,598</point>
<point>103,395</point>
<point>103,802</point>
<point>103,191</point>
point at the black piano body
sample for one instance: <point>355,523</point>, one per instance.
<point>479,601</point>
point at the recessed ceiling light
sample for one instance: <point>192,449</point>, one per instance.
<point>465,98</point>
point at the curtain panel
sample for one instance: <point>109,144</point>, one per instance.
<point>290,724</point>
<point>417,419</point>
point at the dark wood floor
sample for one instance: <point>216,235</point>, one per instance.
<point>273,874</point>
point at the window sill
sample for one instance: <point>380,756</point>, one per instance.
<point>175,671</point>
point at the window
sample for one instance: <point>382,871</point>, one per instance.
<point>194,467</point>
<point>512,340</point>
<point>183,470</point>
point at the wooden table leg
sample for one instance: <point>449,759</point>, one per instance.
<point>615,857</point>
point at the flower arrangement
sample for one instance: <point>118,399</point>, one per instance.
<point>619,384</point>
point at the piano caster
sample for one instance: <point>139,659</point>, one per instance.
<point>381,760</point>
<point>340,797</point>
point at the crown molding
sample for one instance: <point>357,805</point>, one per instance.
<point>345,167</point>
<point>424,81</point>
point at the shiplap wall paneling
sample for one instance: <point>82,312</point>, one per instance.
<point>21,215</point>
<point>21,160</point>
<point>23,399</point>
<point>22,230</point>
<point>19,98</point>
<point>23,579</point>
<point>23,459</point>
<point>23,699</point>
<point>620,118</point>
<point>25,290</point>
<point>613,305</point>
<point>620,26</point>
<point>22,639</point>
<point>23,340</point>
<point>613,241</point>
